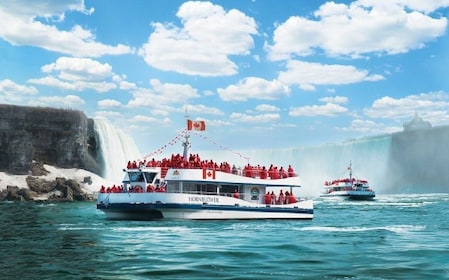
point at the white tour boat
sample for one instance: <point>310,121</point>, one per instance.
<point>185,187</point>
<point>351,188</point>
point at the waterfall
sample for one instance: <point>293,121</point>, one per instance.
<point>369,158</point>
<point>117,148</point>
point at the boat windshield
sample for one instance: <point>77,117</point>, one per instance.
<point>149,176</point>
<point>135,176</point>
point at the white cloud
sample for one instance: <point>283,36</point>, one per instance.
<point>203,110</point>
<point>335,99</point>
<point>433,106</point>
<point>362,27</point>
<point>203,44</point>
<point>109,103</point>
<point>71,101</point>
<point>307,74</point>
<point>263,118</point>
<point>20,26</point>
<point>8,87</point>
<point>108,114</point>
<point>74,69</point>
<point>254,88</point>
<point>12,93</point>
<point>146,119</point>
<point>161,94</point>
<point>328,110</point>
<point>364,126</point>
<point>77,74</point>
<point>267,108</point>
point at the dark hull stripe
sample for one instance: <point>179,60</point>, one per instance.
<point>145,207</point>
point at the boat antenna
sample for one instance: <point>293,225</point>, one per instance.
<point>186,143</point>
<point>350,171</point>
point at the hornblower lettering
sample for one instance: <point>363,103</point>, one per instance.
<point>203,199</point>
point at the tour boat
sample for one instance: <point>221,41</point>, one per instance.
<point>351,188</point>
<point>186,187</point>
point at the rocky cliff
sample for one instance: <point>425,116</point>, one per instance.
<point>62,138</point>
<point>33,136</point>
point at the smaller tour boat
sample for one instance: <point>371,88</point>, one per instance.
<point>187,187</point>
<point>351,188</point>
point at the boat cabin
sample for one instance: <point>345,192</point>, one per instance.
<point>141,180</point>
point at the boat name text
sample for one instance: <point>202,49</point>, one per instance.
<point>203,199</point>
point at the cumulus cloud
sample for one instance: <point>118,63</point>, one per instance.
<point>262,118</point>
<point>202,46</point>
<point>109,103</point>
<point>328,110</point>
<point>203,110</point>
<point>359,28</point>
<point>434,106</point>
<point>21,26</point>
<point>267,108</point>
<point>152,120</point>
<point>78,74</point>
<point>254,88</point>
<point>160,94</point>
<point>307,74</point>
<point>335,99</point>
<point>11,92</point>
<point>70,101</point>
<point>364,126</point>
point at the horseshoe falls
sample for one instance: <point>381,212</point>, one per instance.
<point>403,162</point>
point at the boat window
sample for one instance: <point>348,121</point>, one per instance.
<point>149,176</point>
<point>200,188</point>
<point>228,189</point>
<point>135,176</point>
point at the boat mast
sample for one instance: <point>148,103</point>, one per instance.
<point>350,172</point>
<point>186,143</point>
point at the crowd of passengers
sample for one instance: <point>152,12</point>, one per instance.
<point>136,189</point>
<point>269,198</point>
<point>283,198</point>
<point>194,161</point>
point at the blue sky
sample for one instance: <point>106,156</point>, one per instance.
<point>262,74</point>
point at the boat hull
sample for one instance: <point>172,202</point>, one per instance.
<point>147,206</point>
<point>353,195</point>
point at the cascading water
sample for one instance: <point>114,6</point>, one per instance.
<point>369,158</point>
<point>117,149</point>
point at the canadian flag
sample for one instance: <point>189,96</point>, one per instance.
<point>208,174</point>
<point>196,125</point>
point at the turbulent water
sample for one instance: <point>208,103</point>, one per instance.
<point>392,237</point>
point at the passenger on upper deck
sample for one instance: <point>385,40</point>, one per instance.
<point>234,170</point>
<point>263,173</point>
<point>291,172</point>
<point>283,173</point>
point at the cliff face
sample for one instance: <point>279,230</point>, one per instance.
<point>62,138</point>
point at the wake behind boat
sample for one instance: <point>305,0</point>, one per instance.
<point>351,188</point>
<point>187,187</point>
